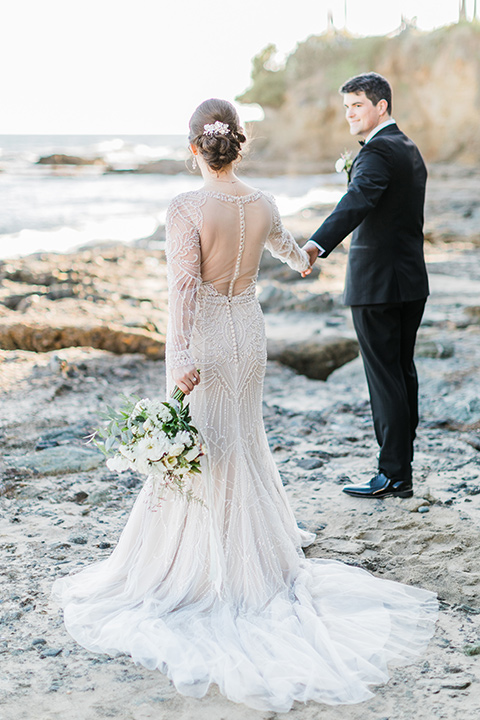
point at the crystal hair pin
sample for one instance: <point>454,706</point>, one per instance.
<point>217,128</point>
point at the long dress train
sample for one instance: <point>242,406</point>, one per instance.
<point>221,592</point>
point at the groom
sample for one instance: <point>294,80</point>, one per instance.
<point>386,282</point>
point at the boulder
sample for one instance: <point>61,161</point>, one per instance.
<point>162,167</point>
<point>317,357</point>
<point>59,159</point>
<point>274,269</point>
<point>114,338</point>
<point>58,460</point>
<point>274,297</point>
<point>434,348</point>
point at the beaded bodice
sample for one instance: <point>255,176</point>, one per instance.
<point>217,239</point>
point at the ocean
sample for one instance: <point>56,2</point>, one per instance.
<point>46,208</point>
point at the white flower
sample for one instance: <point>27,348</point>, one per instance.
<point>344,162</point>
<point>117,463</point>
<point>192,454</point>
<point>158,412</point>
<point>169,462</point>
<point>148,425</point>
<point>176,449</point>
<point>151,447</point>
<point>140,407</point>
<point>128,451</point>
<point>183,438</point>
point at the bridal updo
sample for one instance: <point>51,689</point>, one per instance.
<point>219,146</point>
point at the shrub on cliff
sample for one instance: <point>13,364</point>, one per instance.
<point>268,83</point>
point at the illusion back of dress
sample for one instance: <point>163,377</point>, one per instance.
<point>216,240</point>
<point>233,236</point>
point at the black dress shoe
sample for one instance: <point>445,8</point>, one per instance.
<point>381,486</point>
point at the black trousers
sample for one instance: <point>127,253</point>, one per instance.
<point>386,334</point>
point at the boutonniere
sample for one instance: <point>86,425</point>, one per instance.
<point>344,162</point>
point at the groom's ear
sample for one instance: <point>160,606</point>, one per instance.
<point>382,107</point>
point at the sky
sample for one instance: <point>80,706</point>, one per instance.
<point>142,66</point>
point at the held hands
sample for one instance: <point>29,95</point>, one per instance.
<point>312,251</point>
<point>186,378</point>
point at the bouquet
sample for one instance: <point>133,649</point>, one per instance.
<point>156,439</point>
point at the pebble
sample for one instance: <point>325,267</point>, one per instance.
<point>79,496</point>
<point>78,539</point>
<point>423,509</point>
<point>39,641</point>
<point>51,652</point>
<point>448,684</point>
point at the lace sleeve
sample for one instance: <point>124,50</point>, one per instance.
<point>183,272</point>
<point>281,243</point>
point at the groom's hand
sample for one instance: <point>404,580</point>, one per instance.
<point>312,251</point>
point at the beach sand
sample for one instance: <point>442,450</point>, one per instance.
<point>61,508</point>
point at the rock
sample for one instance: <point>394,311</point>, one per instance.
<point>310,463</point>
<point>448,684</point>
<point>51,652</point>
<point>65,435</point>
<point>413,504</point>
<point>275,269</point>
<point>473,314</point>
<point>58,460</point>
<point>423,509</point>
<point>39,641</point>
<point>473,440</point>
<point>162,167</point>
<point>10,616</point>
<point>471,649</point>
<point>344,547</point>
<point>316,358</point>
<point>99,497</point>
<point>104,545</point>
<point>7,488</point>
<point>116,339</point>
<point>80,497</point>
<point>274,297</point>
<point>78,539</point>
<point>428,348</point>
<point>59,159</point>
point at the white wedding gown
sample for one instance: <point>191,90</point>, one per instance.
<point>221,592</point>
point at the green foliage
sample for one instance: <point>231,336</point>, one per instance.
<point>115,429</point>
<point>268,85</point>
<point>335,58</point>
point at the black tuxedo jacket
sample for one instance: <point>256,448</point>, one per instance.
<point>384,207</point>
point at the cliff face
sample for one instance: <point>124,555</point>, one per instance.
<point>435,79</point>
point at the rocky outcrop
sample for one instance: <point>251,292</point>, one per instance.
<point>60,159</point>
<point>317,357</point>
<point>436,89</point>
<point>115,301</point>
<point>44,338</point>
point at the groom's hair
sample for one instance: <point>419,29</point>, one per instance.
<point>373,85</point>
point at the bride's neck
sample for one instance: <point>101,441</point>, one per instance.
<point>225,177</point>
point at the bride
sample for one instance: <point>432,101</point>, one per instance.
<point>220,591</point>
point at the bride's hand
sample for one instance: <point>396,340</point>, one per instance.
<point>312,251</point>
<point>186,378</point>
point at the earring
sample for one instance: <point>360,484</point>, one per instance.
<point>194,163</point>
